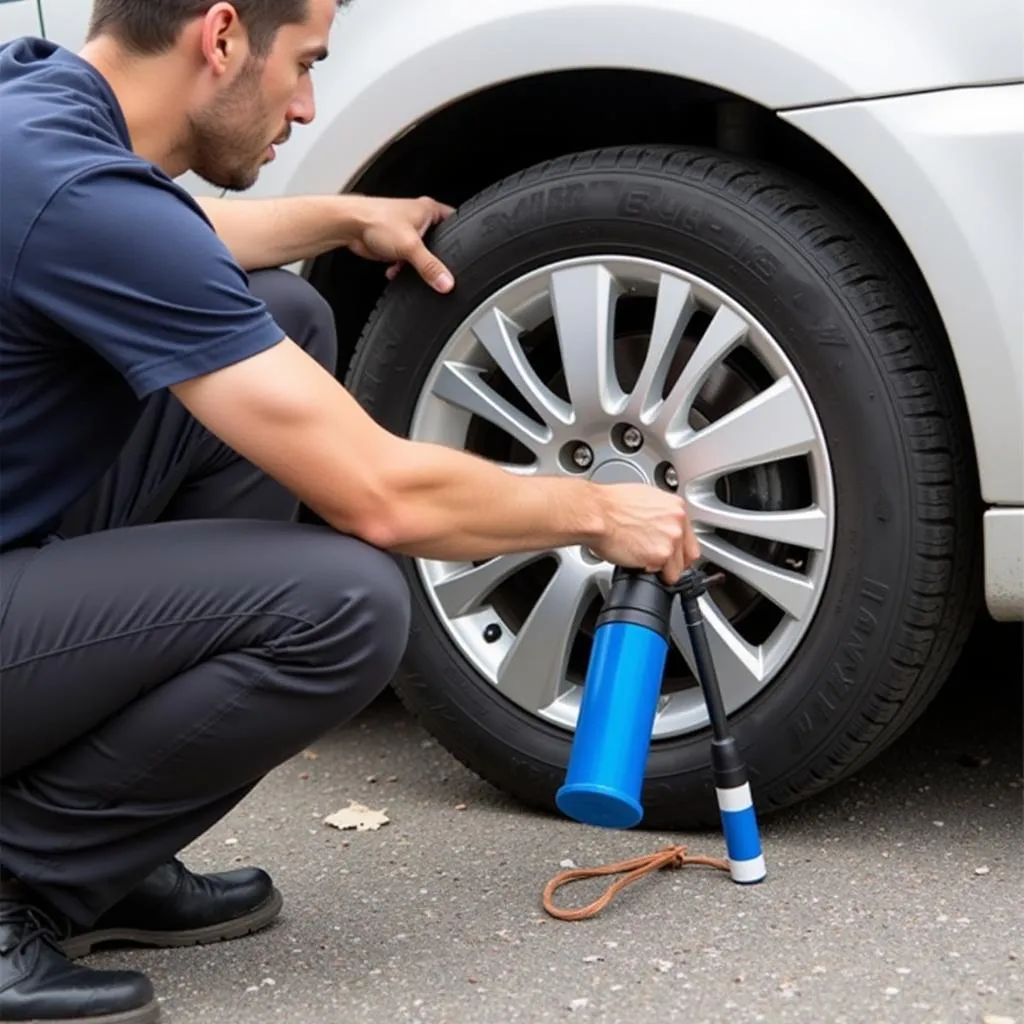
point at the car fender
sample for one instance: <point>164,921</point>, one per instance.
<point>947,168</point>
<point>394,64</point>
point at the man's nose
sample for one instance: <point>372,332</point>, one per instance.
<point>303,106</point>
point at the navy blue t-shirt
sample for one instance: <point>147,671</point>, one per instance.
<point>113,285</point>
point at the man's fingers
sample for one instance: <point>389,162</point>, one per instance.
<point>431,269</point>
<point>691,545</point>
<point>672,570</point>
<point>692,550</point>
<point>438,211</point>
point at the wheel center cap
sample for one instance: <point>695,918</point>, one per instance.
<point>619,471</point>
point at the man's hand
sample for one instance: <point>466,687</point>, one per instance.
<point>645,528</point>
<point>392,230</point>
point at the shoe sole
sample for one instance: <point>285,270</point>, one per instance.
<point>148,1014</point>
<point>81,945</point>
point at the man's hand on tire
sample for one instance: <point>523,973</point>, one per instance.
<point>392,230</point>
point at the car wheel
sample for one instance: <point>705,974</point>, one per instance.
<point>713,326</point>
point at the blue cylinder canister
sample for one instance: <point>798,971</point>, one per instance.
<point>620,700</point>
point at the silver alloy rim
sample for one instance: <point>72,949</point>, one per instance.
<point>626,369</point>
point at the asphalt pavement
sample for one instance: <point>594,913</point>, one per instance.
<point>895,897</point>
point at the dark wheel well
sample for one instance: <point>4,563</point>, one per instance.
<point>478,140</point>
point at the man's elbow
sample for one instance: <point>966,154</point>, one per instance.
<point>378,528</point>
<point>391,521</point>
<point>370,512</point>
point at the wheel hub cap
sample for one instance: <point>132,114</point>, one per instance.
<point>619,471</point>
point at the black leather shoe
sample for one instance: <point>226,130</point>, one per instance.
<point>174,907</point>
<point>39,984</point>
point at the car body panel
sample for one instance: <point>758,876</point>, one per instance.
<point>779,54</point>
<point>18,18</point>
<point>1004,563</point>
<point>398,62</point>
<point>947,168</point>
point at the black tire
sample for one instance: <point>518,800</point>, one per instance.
<point>903,585</point>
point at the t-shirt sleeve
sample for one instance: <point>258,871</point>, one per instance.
<point>123,260</point>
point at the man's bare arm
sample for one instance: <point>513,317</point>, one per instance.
<point>265,233</point>
<point>286,414</point>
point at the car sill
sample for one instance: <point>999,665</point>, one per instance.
<point>1004,564</point>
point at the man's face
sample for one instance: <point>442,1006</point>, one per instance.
<point>236,133</point>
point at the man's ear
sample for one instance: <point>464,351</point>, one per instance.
<point>223,40</point>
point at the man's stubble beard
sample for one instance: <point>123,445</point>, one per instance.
<point>229,138</point>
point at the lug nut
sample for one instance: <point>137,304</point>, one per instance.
<point>671,478</point>
<point>582,456</point>
<point>492,633</point>
<point>632,438</point>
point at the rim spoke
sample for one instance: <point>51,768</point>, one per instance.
<point>804,528</point>
<point>499,335</point>
<point>519,468</point>
<point>792,592</point>
<point>672,312</point>
<point>738,664</point>
<point>583,303</point>
<point>773,425</point>
<point>723,334</point>
<point>462,385</point>
<point>533,672</point>
<point>466,590</point>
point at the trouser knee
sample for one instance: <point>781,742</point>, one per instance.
<point>356,634</point>
<point>382,605</point>
<point>300,311</point>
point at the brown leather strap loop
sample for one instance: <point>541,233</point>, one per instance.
<point>635,869</point>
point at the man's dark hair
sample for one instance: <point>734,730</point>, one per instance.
<point>149,27</point>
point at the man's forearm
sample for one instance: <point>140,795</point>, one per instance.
<point>275,232</point>
<point>447,504</point>
<point>287,415</point>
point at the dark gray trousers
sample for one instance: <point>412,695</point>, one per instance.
<point>184,637</point>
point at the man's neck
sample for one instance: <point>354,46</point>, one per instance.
<point>144,88</point>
